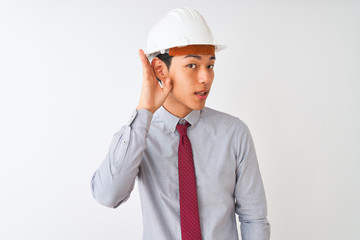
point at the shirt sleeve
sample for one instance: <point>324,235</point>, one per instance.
<point>249,191</point>
<point>114,180</point>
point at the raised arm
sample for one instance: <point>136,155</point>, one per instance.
<point>114,180</point>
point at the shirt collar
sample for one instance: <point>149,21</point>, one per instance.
<point>171,120</point>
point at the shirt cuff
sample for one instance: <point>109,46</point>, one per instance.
<point>140,118</point>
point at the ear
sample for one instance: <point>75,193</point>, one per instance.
<point>160,69</point>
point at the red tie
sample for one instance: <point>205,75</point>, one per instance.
<point>189,212</point>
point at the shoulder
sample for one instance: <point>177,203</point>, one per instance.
<point>222,119</point>
<point>227,126</point>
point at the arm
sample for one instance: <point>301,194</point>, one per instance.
<point>114,180</point>
<point>249,192</point>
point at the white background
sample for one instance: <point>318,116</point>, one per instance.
<point>70,78</point>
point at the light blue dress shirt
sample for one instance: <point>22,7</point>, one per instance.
<point>227,174</point>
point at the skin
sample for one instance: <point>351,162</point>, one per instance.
<point>188,75</point>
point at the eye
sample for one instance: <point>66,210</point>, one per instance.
<point>193,66</point>
<point>211,66</point>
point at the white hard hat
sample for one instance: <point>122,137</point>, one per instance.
<point>179,27</point>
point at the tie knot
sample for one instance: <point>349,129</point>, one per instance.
<point>182,128</point>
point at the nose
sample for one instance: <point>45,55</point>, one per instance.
<point>204,76</point>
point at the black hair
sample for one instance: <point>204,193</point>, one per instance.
<point>166,58</point>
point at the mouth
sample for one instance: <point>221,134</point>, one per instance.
<point>202,94</point>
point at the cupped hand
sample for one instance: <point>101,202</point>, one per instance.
<point>152,94</point>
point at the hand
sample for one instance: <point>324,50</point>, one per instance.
<point>152,95</point>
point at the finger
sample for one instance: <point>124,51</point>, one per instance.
<point>144,60</point>
<point>147,69</point>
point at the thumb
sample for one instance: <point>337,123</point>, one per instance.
<point>167,86</point>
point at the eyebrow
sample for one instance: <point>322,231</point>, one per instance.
<point>198,57</point>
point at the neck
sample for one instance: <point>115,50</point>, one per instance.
<point>176,110</point>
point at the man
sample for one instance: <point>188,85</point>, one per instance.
<point>196,167</point>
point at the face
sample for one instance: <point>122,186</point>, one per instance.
<point>192,77</point>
